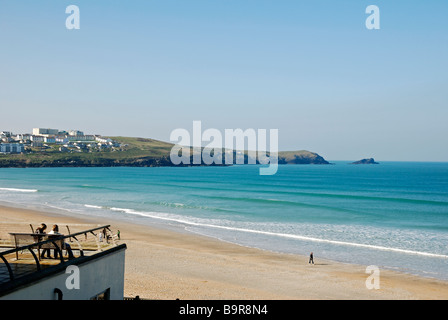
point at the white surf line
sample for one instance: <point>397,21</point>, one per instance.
<point>92,206</point>
<point>285,235</point>
<point>18,190</point>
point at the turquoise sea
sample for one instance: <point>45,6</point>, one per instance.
<point>393,215</point>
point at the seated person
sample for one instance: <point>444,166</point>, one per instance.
<point>41,230</point>
<point>55,231</point>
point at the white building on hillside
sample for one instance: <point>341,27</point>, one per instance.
<point>45,131</point>
<point>23,136</point>
<point>50,139</point>
<point>36,138</point>
<point>102,140</point>
<point>61,139</point>
<point>12,148</point>
<point>83,138</point>
<point>75,133</point>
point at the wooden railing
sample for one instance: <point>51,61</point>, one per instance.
<point>56,243</point>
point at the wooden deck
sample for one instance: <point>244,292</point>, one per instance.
<point>24,265</point>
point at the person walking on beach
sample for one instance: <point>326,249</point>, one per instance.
<point>311,258</point>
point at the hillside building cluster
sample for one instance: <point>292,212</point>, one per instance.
<point>46,138</point>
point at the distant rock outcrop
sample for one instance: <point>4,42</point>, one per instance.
<point>365,161</point>
<point>300,157</point>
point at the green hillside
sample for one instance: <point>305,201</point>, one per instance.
<point>131,152</point>
<point>142,147</point>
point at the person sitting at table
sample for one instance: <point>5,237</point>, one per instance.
<point>55,232</point>
<point>41,230</point>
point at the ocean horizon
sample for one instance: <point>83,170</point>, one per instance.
<point>393,215</point>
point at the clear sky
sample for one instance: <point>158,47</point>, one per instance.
<point>308,68</point>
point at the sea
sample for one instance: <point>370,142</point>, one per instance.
<point>393,215</point>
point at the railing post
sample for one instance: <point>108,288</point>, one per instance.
<point>97,241</point>
<point>35,257</point>
<point>11,274</point>
<point>68,229</point>
<point>81,251</point>
<point>15,244</point>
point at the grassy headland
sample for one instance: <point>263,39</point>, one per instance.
<point>139,152</point>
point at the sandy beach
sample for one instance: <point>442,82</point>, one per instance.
<point>168,265</point>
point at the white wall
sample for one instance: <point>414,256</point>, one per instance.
<point>95,277</point>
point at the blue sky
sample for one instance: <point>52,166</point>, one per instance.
<point>308,68</point>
